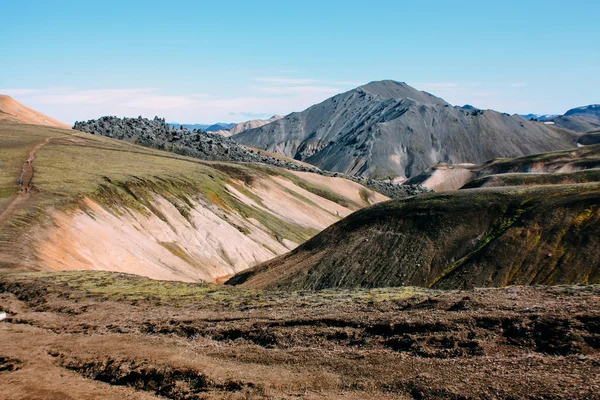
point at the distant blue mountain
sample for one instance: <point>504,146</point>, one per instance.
<point>592,112</point>
<point>220,126</point>
<point>581,119</point>
<point>539,117</point>
<point>205,127</point>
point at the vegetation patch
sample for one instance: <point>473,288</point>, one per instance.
<point>365,195</point>
<point>124,287</point>
<point>499,226</point>
<point>177,251</point>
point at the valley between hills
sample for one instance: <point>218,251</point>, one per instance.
<point>381,244</point>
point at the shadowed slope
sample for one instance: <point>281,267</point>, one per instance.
<point>466,238</point>
<point>591,111</point>
<point>590,138</point>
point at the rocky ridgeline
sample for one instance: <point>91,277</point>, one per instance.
<point>389,189</point>
<point>156,133</point>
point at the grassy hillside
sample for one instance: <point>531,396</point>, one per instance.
<point>461,239</point>
<point>85,180</point>
<point>566,166</point>
<point>528,179</point>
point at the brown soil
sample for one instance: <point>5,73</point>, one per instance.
<point>93,336</point>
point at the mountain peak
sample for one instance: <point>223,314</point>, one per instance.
<point>390,89</point>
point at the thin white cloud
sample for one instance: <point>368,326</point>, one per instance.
<point>18,91</point>
<point>83,97</point>
<point>518,84</point>
<point>156,102</point>
<point>69,105</point>
<point>130,98</point>
<point>285,81</point>
<point>348,83</point>
<point>286,90</point>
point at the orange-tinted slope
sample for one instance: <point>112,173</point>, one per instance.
<point>13,111</point>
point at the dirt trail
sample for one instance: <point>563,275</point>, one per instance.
<point>25,182</point>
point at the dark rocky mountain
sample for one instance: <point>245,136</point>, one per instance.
<point>388,129</point>
<point>522,229</point>
<point>158,134</point>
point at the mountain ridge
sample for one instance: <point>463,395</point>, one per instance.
<point>368,132</point>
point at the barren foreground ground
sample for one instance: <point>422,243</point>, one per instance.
<point>98,335</point>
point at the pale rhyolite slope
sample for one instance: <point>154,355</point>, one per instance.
<point>570,166</point>
<point>104,204</point>
<point>209,244</point>
<point>13,111</point>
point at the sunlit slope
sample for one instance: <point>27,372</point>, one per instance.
<point>13,111</point>
<point>99,203</point>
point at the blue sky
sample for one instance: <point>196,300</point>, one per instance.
<point>196,61</point>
